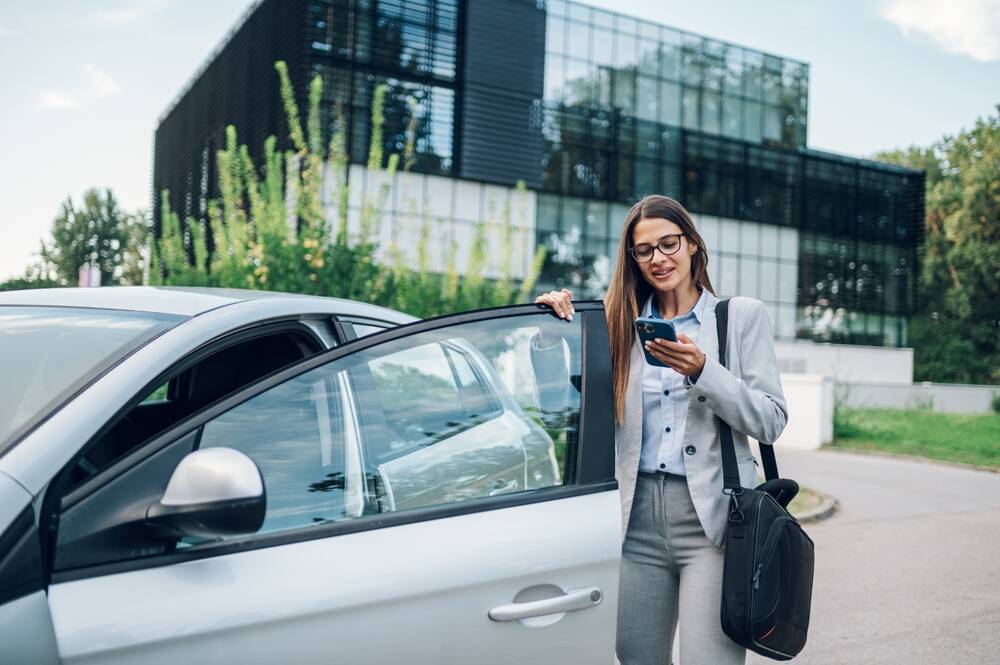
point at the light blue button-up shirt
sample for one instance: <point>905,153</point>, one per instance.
<point>665,401</point>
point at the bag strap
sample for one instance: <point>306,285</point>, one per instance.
<point>730,470</point>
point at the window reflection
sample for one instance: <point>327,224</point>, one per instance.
<point>609,51</point>
<point>464,412</point>
<point>358,46</point>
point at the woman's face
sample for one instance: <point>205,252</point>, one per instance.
<point>663,273</point>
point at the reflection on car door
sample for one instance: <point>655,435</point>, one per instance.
<point>425,505</point>
<point>454,431</point>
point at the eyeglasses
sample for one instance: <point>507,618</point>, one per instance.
<point>668,244</point>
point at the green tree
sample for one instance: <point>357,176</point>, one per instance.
<point>96,234</point>
<point>36,276</point>
<point>956,331</point>
<point>133,265</point>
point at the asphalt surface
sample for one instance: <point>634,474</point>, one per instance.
<point>908,569</point>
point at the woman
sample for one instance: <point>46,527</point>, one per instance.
<point>667,443</point>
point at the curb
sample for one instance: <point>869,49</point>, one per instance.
<point>913,458</point>
<point>826,508</point>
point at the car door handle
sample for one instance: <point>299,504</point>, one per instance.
<point>574,599</point>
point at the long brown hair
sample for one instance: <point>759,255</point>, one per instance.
<point>629,289</point>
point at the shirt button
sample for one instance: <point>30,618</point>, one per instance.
<point>701,398</point>
<point>668,429</point>
<point>666,392</point>
<point>690,450</point>
<point>663,466</point>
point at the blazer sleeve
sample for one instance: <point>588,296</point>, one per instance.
<point>753,404</point>
<point>552,382</point>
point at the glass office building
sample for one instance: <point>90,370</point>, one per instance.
<point>592,110</point>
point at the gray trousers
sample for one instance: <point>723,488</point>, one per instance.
<point>670,570</point>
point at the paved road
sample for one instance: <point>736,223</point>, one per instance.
<point>908,570</point>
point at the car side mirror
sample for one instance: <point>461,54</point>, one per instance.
<point>213,492</point>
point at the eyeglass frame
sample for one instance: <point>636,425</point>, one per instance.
<point>631,250</point>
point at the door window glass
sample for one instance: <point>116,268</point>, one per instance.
<point>298,437</point>
<point>464,412</point>
<point>362,329</point>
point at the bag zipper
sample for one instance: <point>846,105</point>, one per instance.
<point>769,545</point>
<point>753,540</point>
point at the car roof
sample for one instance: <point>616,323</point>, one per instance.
<point>186,301</point>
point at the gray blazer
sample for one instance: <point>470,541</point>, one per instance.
<point>746,394</point>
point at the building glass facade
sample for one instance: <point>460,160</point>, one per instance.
<point>411,46</point>
<point>601,60</point>
<point>593,110</point>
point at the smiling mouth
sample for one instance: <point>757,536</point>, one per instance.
<point>663,273</point>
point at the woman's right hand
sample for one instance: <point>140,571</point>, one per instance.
<point>559,301</point>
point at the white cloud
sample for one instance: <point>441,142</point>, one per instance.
<point>100,84</point>
<point>134,11</point>
<point>53,99</point>
<point>964,27</point>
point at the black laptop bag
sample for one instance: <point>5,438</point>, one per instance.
<point>768,574</point>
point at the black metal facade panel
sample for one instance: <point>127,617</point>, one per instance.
<point>502,69</point>
<point>238,87</point>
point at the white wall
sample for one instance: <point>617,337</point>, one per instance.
<point>846,362</point>
<point>941,397</point>
<point>809,398</point>
<point>450,208</point>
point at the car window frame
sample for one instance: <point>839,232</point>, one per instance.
<point>594,468</point>
<point>344,326</point>
<point>496,404</point>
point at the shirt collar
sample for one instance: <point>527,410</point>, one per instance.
<point>697,310</point>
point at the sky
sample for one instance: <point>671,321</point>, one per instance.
<point>85,82</point>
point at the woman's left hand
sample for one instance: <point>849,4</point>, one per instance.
<point>682,356</point>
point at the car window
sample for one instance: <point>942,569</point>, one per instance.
<point>423,396</point>
<point>362,329</point>
<point>161,394</point>
<point>192,388</point>
<point>474,394</point>
<point>297,435</point>
<point>434,418</point>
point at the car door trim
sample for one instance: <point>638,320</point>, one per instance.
<point>595,459</point>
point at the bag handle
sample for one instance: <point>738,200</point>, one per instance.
<point>730,470</point>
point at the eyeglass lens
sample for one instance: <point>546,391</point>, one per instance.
<point>667,245</point>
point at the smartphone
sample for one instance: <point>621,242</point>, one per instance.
<point>650,329</point>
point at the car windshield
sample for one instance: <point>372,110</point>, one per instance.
<point>48,353</point>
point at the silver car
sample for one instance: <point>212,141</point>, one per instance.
<point>241,476</point>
